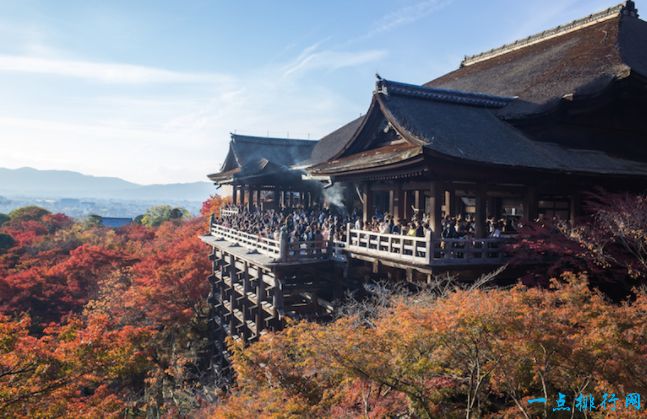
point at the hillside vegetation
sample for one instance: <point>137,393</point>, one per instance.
<point>96,322</point>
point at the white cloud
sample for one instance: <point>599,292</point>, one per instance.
<point>409,14</point>
<point>102,72</point>
<point>313,59</point>
<point>399,17</point>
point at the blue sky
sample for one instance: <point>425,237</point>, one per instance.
<point>149,90</point>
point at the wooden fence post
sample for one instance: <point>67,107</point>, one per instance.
<point>283,247</point>
<point>429,247</point>
<point>349,226</point>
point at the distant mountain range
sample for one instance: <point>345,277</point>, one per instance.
<point>28,182</point>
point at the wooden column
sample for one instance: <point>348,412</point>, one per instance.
<point>367,197</point>
<point>449,201</point>
<point>277,299</point>
<point>244,302</point>
<point>241,201</point>
<point>234,194</point>
<point>435,211</point>
<point>260,297</point>
<point>398,203</point>
<point>250,200</point>
<point>530,205</point>
<point>481,209</point>
<point>232,296</point>
<point>258,197</point>
<point>404,205</point>
<point>417,202</point>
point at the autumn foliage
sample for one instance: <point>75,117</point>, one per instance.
<point>98,322</point>
<point>469,353</point>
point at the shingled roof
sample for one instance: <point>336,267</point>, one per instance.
<point>457,125</point>
<point>331,144</point>
<point>580,58</point>
<point>250,156</point>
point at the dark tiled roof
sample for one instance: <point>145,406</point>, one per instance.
<point>378,157</point>
<point>476,134</point>
<point>581,58</point>
<point>249,156</point>
<point>331,144</point>
<point>447,128</point>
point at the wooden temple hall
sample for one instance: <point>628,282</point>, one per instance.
<point>259,172</point>
<point>521,132</point>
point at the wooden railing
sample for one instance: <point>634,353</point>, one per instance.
<point>471,251</point>
<point>263,245</point>
<point>281,250</point>
<point>411,249</point>
<point>400,248</point>
<point>425,250</point>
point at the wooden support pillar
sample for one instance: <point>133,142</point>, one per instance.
<point>449,201</point>
<point>436,209</point>
<point>530,205</point>
<point>258,198</point>
<point>250,201</point>
<point>481,209</point>
<point>398,203</point>
<point>232,296</point>
<point>242,196</point>
<point>404,203</point>
<point>367,198</point>
<point>244,303</point>
<point>417,202</point>
<point>277,299</point>
<point>234,194</point>
<point>301,199</point>
<point>260,297</point>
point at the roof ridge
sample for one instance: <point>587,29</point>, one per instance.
<point>388,87</point>
<point>254,138</point>
<point>611,12</point>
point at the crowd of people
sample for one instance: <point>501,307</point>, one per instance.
<point>298,224</point>
<point>324,224</point>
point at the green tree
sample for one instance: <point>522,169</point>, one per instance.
<point>93,220</point>
<point>29,213</point>
<point>3,218</point>
<point>161,213</point>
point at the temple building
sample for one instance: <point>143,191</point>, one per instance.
<point>259,171</point>
<point>521,132</point>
